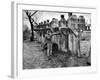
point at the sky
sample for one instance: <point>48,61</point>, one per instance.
<point>41,16</point>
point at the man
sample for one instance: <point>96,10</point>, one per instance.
<point>48,40</point>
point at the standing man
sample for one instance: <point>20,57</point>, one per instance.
<point>48,39</point>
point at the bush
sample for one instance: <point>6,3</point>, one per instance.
<point>26,34</point>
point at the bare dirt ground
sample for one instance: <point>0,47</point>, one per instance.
<point>34,57</point>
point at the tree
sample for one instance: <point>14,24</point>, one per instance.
<point>26,32</point>
<point>31,20</point>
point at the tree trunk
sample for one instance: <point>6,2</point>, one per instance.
<point>32,30</point>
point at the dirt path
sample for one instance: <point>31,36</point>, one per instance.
<point>34,58</point>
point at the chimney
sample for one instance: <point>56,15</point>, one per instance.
<point>69,14</point>
<point>62,16</point>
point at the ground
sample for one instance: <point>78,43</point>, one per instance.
<point>34,57</point>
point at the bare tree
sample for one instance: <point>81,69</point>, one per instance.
<point>31,20</point>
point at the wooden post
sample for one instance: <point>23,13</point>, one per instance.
<point>72,44</point>
<point>79,54</point>
<point>67,42</point>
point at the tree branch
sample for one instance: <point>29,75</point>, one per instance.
<point>27,12</point>
<point>33,13</point>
